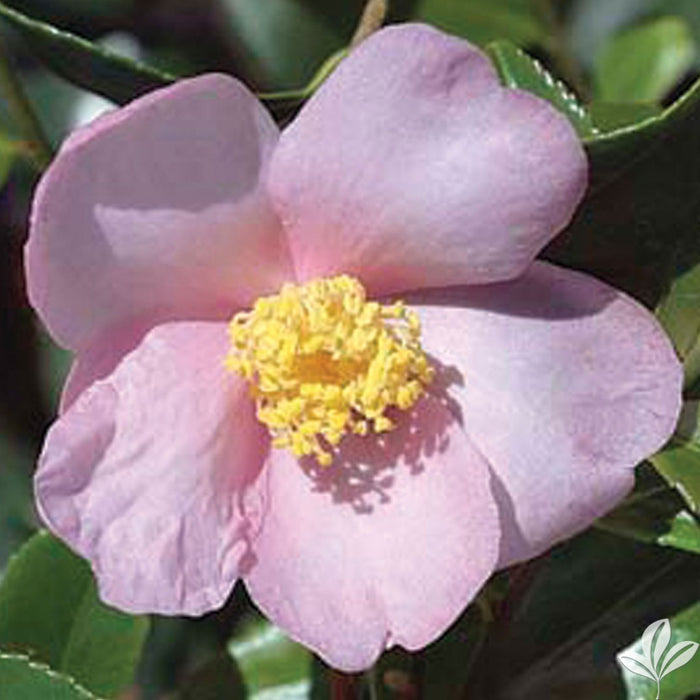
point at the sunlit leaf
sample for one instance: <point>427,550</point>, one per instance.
<point>23,679</point>
<point>679,312</point>
<point>646,62</point>
<point>655,513</point>
<point>517,69</point>
<point>679,463</point>
<point>268,659</point>
<point>49,609</point>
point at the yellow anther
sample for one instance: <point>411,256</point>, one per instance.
<point>323,362</point>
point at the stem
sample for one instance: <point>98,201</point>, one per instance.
<point>486,616</point>
<point>372,681</point>
<point>372,18</point>
<point>38,148</point>
<point>343,686</point>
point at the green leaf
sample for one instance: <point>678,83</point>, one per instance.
<point>612,116</point>
<point>591,23</point>
<point>654,513</point>
<point>16,523</point>
<point>519,70</point>
<point>49,608</point>
<point>218,679</point>
<point>448,663</point>
<point>588,599</point>
<point>285,38</point>
<point>679,463</point>
<point>680,466</point>
<point>689,10</point>
<point>8,153</point>
<point>270,660</point>
<point>645,63</point>
<point>21,679</point>
<point>483,22</point>
<point>681,682</point>
<point>637,225</point>
<point>679,313</point>
<point>85,64</point>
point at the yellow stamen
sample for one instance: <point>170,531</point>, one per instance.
<point>322,362</point>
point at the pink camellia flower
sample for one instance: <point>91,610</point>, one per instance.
<point>363,467</point>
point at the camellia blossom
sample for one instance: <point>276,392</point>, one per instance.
<point>325,362</point>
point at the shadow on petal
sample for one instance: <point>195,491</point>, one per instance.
<point>544,291</point>
<point>363,471</point>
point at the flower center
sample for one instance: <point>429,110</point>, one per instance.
<point>322,361</point>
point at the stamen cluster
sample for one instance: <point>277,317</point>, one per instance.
<point>322,361</point>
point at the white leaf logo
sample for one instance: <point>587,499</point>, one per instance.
<point>652,663</point>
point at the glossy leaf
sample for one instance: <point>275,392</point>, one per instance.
<point>679,463</point>
<point>646,62</point>
<point>22,679</point>
<point>611,116</point>
<point>589,599</point>
<point>269,660</point>
<point>680,466</point>
<point>637,226</point>
<point>84,63</point>
<point>483,22</point>
<point>49,609</point>
<point>679,312</point>
<point>518,69</point>
<point>654,513</point>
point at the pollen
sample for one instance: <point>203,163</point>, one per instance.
<point>323,362</point>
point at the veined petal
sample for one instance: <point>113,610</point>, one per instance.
<point>385,546</point>
<point>156,212</point>
<point>412,167</point>
<point>145,474</point>
<point>567,385</point>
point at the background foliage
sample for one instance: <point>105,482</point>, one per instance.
<point>625,73</point>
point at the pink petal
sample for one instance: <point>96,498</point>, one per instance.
<point>412,167</point>
<point>144,475</point>
<point>156,212</point>
<point>100,359</point>
<point>384,547</point>
<point>566,385</point>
